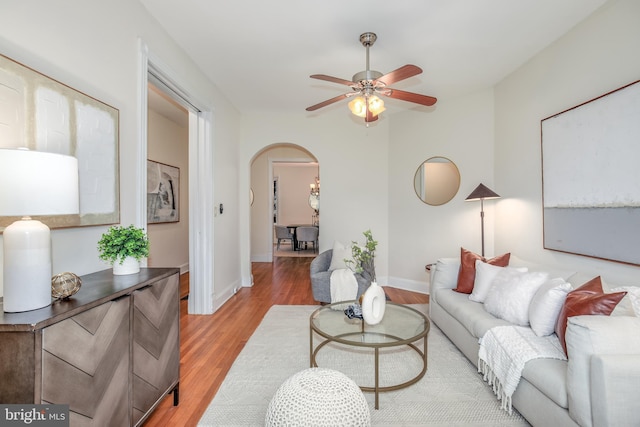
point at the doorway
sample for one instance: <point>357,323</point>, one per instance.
<point>200,175</point>
<point>280,179</point>
<point>168,168</point>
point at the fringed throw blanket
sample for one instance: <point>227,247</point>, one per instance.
<point>504,350</point>
<point>343,287</point>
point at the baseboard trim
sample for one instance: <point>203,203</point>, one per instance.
<point>408,285</point>
<point>184,268</point>
<point>262,258</point>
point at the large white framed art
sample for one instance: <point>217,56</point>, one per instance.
<point>591,177</point>
<point>43,114</point>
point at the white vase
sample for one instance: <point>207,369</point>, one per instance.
<point>373,304</point>
<point>130,265</point>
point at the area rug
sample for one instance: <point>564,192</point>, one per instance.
<point>287,251</point>
<point>451,392</point>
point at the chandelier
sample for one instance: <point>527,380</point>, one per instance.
<point>315,188</point>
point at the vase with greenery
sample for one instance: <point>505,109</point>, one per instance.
<point>364,257</point>
<point>373,300</point>
<point>124,246</point>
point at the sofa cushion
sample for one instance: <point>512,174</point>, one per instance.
<point>467,273</point>
<point>340,253</point>
<point>470,314</point>
<point>589,335</point>
<point>550,377</point>
<point>546,305</point>
<point>587,299</point>
<point>511,293</point>
<point>614,389</point>
<point>485,274</point>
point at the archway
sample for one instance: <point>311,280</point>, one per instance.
<point>280,197</point>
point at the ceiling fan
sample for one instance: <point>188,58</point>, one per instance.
<point>368,84</point>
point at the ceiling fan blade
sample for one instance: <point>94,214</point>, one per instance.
<point>327,102</point>
<point>410,96</point>
<point>400,74</point>
<point>369,117</point>
<point>332,79</point>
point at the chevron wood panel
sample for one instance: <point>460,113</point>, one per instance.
<point>17,367</point>
<point>85,363</point>
<point>156,343</point>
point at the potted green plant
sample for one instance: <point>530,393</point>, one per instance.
<point>363,257</point>
<point>123,248</point>
<point>373,301</point>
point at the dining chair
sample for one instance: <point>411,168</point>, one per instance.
<point>283,233</point>
<point>306,235</point>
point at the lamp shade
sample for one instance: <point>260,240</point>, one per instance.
<point>37,183</point>
<point>482,192</point>
<point>358,106</point>
<point>33,183</point>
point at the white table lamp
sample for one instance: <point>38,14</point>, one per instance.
<point>32,183</point>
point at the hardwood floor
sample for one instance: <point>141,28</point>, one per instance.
<point>210,344</point>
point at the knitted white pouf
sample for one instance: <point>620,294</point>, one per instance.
<point>318,397</point>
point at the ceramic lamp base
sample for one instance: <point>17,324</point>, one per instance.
<point>27,266</point>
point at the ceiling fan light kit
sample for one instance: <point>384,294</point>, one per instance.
<point>358,105</point>
<point>368,84</point>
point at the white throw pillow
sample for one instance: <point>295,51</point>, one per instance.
<point>546,304</point>
<point>340,253</point>
<point>633,294</point>
<point>511,294</point>
<point>625,306</point>
<point>485,274</point>
<point>444,275</point>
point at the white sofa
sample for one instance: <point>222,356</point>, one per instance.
<point>599,385</point>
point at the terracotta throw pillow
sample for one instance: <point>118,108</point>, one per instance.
<point>467,274</point>
<point>587,299</point>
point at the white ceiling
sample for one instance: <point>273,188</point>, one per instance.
<point>260,53</point>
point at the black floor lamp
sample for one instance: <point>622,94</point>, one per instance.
<point>481,193</point>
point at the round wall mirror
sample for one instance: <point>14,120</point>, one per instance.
<point>314,201</point>
<point>436,181</point>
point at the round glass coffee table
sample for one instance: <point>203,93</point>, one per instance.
<point>400,326</point>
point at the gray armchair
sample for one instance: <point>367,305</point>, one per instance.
<point>321,278</point>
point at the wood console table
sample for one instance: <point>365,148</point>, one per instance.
<point>111,351</point>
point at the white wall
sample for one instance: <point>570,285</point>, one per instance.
<point>94,48</point>
<point>596,57</point>
<point>168,143</point>
<point>293,192</point>
<point>367,179</point>
<point>366,172</point>
<point>353,162</point>
<point>461,130</point>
